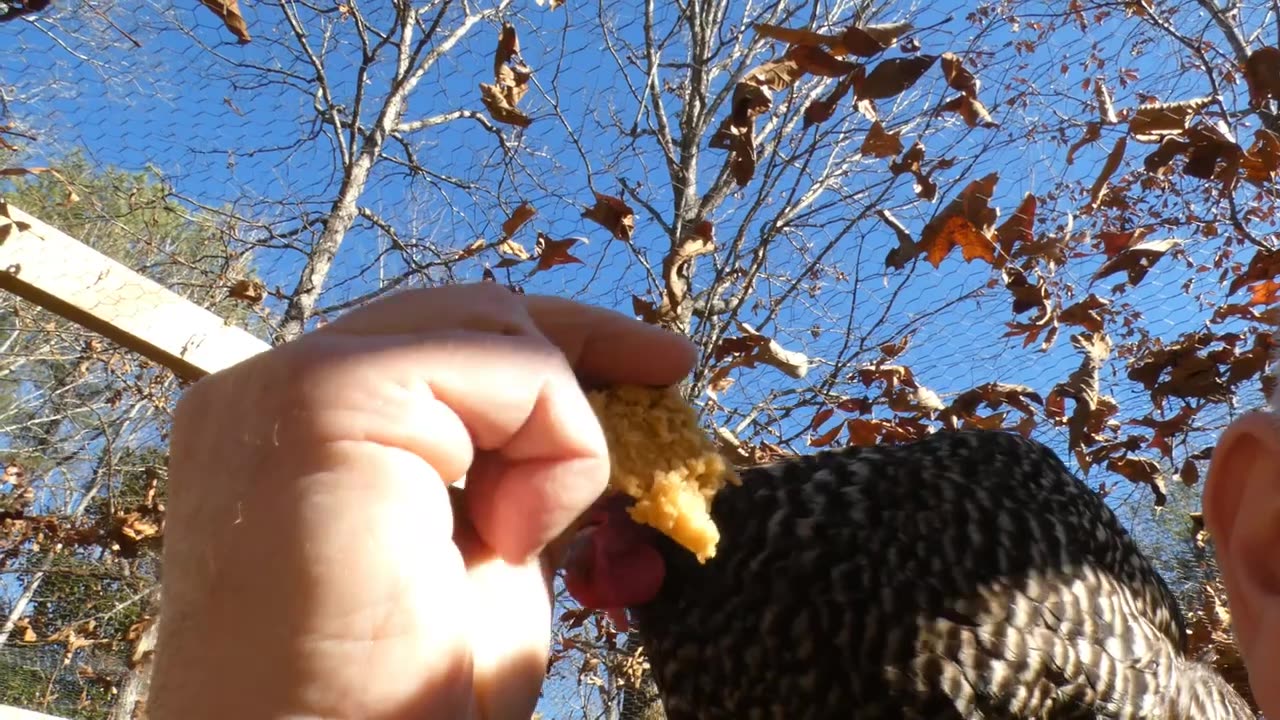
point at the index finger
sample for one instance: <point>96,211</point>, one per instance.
<point>519,515</point>
<point>542,459</point>
<point>605,347</point>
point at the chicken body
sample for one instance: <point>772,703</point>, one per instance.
<point>967,575</point>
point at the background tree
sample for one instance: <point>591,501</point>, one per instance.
<point>83,426</point>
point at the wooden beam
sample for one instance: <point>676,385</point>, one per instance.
<point>13,713</point>
<point>63,275</point>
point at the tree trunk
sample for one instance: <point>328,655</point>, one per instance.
<point>131,703</point>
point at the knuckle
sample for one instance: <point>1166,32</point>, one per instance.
<point>306,368</point>
<point>495,309</point>
<point>493,295</point>
<point>531,355</point>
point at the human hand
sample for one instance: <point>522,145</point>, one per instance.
<point>316,566</point>
<point>1242,512</point>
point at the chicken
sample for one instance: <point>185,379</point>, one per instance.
<point>966,575</point>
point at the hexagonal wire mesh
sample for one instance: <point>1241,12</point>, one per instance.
<point>230,162</point>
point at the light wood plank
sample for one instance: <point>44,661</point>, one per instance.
<point>63,275</point>
<point>13,713</point>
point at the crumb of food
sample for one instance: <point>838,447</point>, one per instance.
<point>665,461</point>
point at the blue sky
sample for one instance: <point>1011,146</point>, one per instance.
<point>218,137</point>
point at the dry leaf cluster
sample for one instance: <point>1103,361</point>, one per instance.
<point>510,81</point>
<point>823,55</point>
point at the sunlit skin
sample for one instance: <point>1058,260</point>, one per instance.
<point>315,564</point>
<point>1242,511</point>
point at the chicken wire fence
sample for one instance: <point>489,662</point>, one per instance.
<point>147,131</point>
<point>567,699</point>
<point>67,689</point>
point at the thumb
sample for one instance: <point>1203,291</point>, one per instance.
<point>509,618</point>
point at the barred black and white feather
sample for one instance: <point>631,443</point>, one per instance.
<point>965,576</point>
